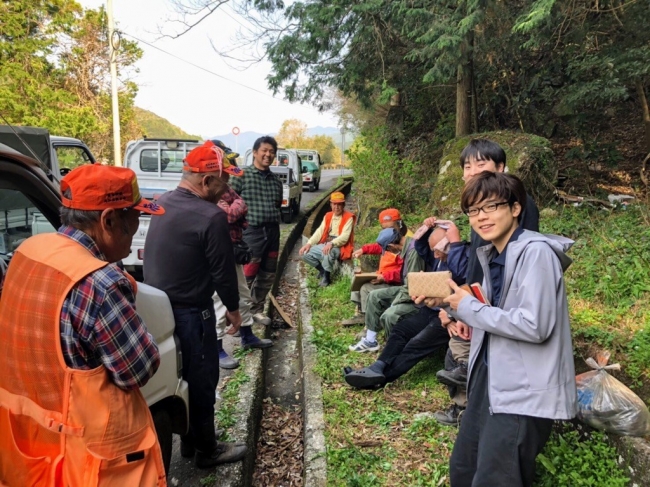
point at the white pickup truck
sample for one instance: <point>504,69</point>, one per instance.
<point>311,168</point>
<point>158,165</point>
<point>25,187</point>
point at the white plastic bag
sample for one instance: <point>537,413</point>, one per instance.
<point>607,404</point>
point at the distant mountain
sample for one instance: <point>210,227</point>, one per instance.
<point>156,127</point>
<point>247,139</point>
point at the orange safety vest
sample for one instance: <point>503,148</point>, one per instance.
<point>348,248</point>
<point>389,262</point>
<point>61,426</point>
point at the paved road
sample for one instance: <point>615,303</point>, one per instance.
<point>327,179</point>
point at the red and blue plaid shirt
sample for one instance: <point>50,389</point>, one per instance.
<point>100,327</point>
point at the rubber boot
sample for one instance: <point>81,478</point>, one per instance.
<point>326,280</point>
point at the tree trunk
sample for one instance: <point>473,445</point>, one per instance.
<point>646,113</point>
<point>464,90</point>
<point>474,102</point>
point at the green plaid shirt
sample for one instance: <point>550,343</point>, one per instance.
<point>262,192</point>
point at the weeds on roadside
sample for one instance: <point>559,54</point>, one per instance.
<point>372,436</point>
<point>574,460</point>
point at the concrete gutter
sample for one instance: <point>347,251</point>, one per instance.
<point>634,453</point>
<point>314,456</point>
<point>251,393</point>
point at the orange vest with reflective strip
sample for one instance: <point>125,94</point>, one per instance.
<point>348,248</point>
<point>61,426</point>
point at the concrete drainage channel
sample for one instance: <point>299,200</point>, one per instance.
<point>277,381</point>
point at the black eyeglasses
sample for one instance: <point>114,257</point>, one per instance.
<point>489,208</point>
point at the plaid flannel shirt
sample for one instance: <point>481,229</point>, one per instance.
<point>100,327</point>
<point>262,192</point>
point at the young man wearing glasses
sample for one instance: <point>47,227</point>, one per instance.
<point>521,372</point>
<point>480,155</point>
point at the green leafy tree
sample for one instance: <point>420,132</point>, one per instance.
<point>293,135</point>
<point>54,72</point>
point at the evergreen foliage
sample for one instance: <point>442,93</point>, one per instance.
<point>54,72</point>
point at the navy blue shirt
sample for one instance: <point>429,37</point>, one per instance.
<point>497,268</point>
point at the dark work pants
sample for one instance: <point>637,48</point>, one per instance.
<point>264,242</point>
<point>495,449</point>
<point>195,328</point>
<point>411,340</point>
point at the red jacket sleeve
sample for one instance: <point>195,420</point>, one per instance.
<point>372,249</point>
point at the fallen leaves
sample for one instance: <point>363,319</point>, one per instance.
<point>280,448</point>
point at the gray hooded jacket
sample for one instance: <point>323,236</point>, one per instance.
<point>530,354</point>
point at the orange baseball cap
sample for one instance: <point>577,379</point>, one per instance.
<point>337,197</point>
<point>389,215</point>
<point>94,187</point>
<point>210,158</point>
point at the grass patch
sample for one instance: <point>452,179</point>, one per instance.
<point>373,438</point>
<point>226,413</point>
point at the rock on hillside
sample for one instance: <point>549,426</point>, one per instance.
<point>528,156</point>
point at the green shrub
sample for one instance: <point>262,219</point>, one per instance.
<point>384,179</point>
<point>569,460</point>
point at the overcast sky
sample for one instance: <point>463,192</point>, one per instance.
<point>196,101</point>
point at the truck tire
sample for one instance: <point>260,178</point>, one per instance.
<point>287,216</point>
<point>317,184</point>
<point>163,423</point>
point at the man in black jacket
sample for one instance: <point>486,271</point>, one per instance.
<point>189,255</point>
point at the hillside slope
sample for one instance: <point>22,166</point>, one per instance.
<point>154,126</point>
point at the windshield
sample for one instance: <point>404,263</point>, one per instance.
<point>309,167</point>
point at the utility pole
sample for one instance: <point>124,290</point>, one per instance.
<point>114,44</point>
<point>342,149</point>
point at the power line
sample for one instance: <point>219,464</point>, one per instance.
<point>205,69</point>
<point>236,20</point>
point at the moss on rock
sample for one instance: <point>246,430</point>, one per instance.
<point>528,156</point>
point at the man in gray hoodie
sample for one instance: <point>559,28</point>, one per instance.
<point>521,374</point>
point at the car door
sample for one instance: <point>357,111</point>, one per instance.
<point>29,202</point>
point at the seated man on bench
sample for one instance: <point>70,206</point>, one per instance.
<point>333,240</point>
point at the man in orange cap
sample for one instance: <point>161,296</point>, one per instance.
<point>73,350</point>
<point>333,240</point>
<point>189,255</point>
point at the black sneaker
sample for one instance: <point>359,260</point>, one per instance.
<point>455,377</point>
<point>450,416</point>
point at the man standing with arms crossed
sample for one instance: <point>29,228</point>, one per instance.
<point>262,192</point>
<point>189,255</point>
<point>73,351</point>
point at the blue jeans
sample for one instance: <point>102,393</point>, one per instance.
<point>195,328</point>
